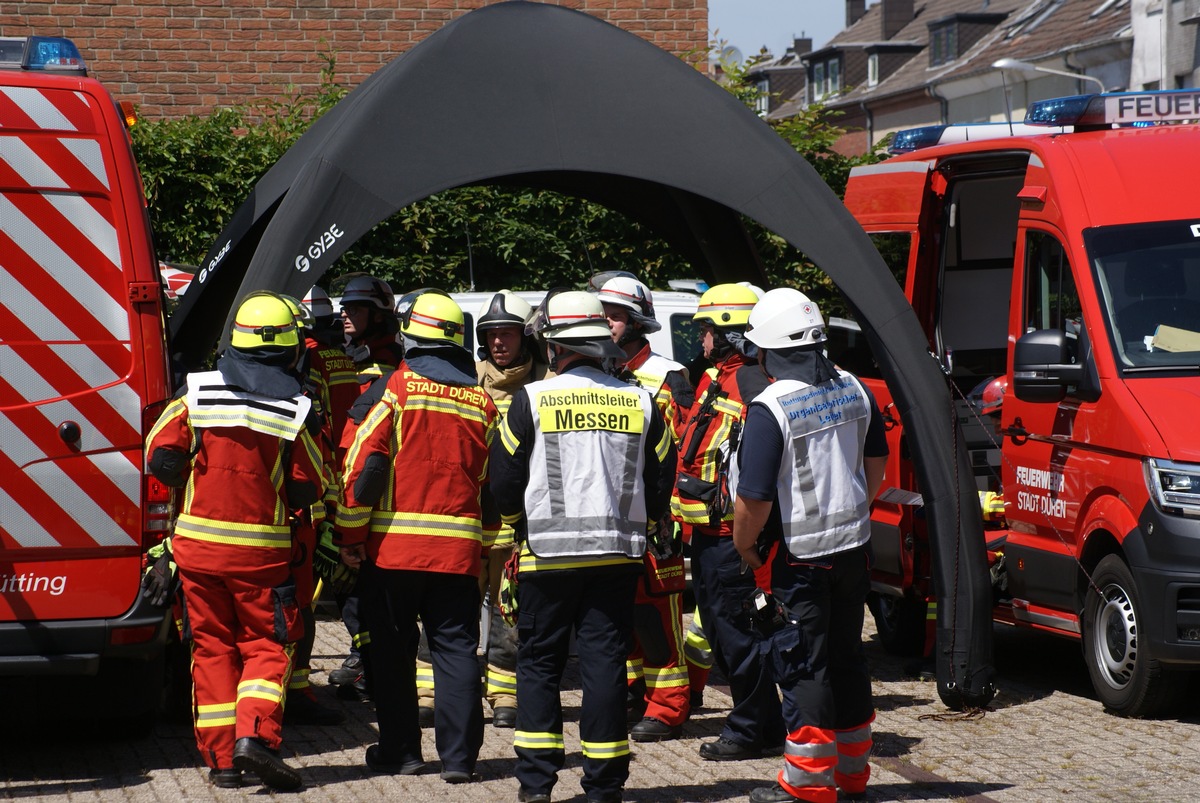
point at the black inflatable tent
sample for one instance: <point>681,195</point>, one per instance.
<point>542,96</point>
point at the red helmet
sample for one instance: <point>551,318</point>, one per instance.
<point>992,396</point>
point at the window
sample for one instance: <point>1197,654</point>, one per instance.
<point>846,344</point>
<point>1051,300</point>
<point>873,69</point>
<point>826,77</point>
<point>762,101</point>
<point>943,44</point>
<point>685,338</point>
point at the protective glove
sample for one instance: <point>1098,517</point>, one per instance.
<point>507,602</point>
<point>161,579</point>
<point>327,562</point>
<point>663,541</point>
<point>992,505</point>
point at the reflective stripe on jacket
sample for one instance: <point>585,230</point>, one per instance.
<point>244,449</point>
<point>434,439</point>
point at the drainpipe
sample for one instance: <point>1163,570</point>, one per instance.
<point>866,110</point>
<point>931,90</point>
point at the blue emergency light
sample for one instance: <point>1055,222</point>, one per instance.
<point>45,53</point>
<point>1118,109</point>
<point>913,139</point>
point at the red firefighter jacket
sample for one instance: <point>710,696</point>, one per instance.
<point>331,370</point>
<point>236,513</point>
<point>710,431</point>
<point>414,475</point>
<point>384,355</point>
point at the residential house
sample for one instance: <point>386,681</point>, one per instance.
<point>907,63</point>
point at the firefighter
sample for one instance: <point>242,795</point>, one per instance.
<point>302,707</point>
<point>507,362</point>
<point>325,338</point>
<point>582,464</point>
<point>702,502</point>
<point>657,670</point>
<point>240,441</point>
<point>370,327</point>
<point>413,522</point>
<point>813,450</point>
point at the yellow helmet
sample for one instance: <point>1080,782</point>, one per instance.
<point>299,311</point>
<point>264,319</point>
<point>431,315</point>
<point>726,305</point>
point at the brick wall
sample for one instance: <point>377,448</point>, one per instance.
<point>177,57</point>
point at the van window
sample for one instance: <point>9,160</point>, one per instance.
<point>1148,276</point>
<point>847,346</point>
<point>894,247</point>
<point>1051,299</point>
<point>976,278</point>
<point>685,339</point>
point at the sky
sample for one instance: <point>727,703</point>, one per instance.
<point>750,24</point>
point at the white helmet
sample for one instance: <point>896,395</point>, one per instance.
<point>628,292</point>
<point>318,303</point>
<point>575,319</point>
<point>365,289</point>
<point>504,308</point>
<point>785,318</point>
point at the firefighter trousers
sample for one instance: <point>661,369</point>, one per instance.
<point>723,591</point>
<point>657,656</point>
<point>242,630</point>
<point>822,673</point>
<point>304,541</point>
<point>501,686</point>
<point>598,605</point>
<point>448,607</point>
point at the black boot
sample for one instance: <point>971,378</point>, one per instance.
<point>251,755</point>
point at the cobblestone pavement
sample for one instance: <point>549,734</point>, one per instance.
<point>1044,738</point>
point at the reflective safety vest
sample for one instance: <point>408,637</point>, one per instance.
<point>426,514</point>
<point>244,449</point>
<point>822,485</point>
<point>650,370</point>
<point>586,495</point>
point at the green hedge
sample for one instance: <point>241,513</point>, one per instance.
<point>198,170</point>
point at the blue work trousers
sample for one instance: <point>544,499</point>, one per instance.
<point>448,607</point>
<point>722,592</point>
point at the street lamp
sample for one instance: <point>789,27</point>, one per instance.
<point>1031,69</point>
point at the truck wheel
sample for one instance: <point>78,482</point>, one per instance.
<point>900,623</point>
<point>1128,681</point>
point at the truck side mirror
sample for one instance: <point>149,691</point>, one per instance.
<point>1043,366</point>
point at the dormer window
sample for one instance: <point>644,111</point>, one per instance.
<point>826,78</point>
<point>762,101</point>
<point>943,43</point>
<point>873,69</point>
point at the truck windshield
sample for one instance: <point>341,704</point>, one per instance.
<point>1148,275</point>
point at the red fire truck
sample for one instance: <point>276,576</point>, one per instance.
<point>1058,265</point>
<point>83,374</point>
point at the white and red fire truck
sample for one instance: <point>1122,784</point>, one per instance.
<point>1064,266</point>
<point>83,374</point>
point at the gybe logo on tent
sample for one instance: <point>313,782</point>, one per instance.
<point>319,248</point>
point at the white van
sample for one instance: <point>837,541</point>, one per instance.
<point>674,310</point>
